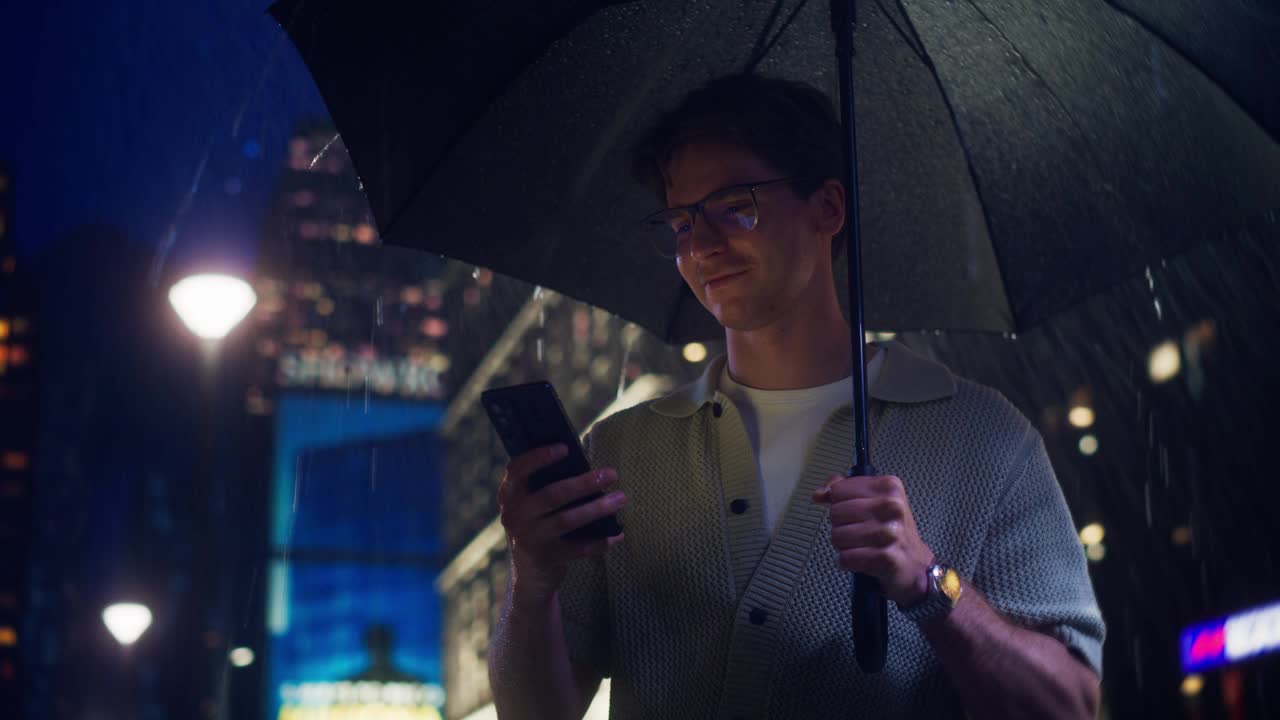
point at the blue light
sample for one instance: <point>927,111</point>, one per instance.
<point>1231,639</point>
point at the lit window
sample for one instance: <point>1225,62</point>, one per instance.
<point>411,295</point>
<point>341,232</point>
<point>8,636</point>
<point>364,234</point>
<point>15,460</point>
<point>434,327</point>
<point>4,329</point>
<point>1181,535</point>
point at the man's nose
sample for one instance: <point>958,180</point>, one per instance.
<point>706,240</point>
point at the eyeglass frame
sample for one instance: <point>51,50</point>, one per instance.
<point>698,208</point>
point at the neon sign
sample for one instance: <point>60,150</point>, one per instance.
<point>1231,639</point>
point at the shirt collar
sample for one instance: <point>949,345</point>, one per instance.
<point>905,377</point>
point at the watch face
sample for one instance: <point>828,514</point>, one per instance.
<point>950,585</point>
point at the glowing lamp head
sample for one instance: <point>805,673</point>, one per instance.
<point>211,305</point>
<point>127,621</point>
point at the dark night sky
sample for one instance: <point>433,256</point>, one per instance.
<point>113,112</point>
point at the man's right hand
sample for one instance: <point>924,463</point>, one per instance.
<point>539,557</point>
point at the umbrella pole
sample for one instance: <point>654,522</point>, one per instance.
<point>870,610</point>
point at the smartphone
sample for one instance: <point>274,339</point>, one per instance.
<point>530,416</point>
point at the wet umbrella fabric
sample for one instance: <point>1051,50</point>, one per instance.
<point>1014,157</point>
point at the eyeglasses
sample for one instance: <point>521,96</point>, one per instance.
<point>733,211</point>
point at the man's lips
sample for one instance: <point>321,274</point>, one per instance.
<point>721,279</point>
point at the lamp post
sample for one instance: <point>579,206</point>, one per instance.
<point>211,305</point>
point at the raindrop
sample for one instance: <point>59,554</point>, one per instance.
<point>1159,312</point>
<point>537,292</point>
<point>373,471</point>
<point>379,312</point>
<point>475,273</point>
<point>297,481</point>
<point>1151,281</point>
<point>323,150</point>
<point>539,349</point>
<point>1146,496</point>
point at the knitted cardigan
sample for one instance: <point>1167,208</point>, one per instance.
<point>698,613</point>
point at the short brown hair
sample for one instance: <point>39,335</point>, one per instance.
<point>788,124</point>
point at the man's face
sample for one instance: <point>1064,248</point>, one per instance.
<point>751,280</point>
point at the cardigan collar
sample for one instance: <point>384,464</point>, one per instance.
<point>905,377</point>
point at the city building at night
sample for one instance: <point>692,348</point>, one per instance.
<point>352,367</point>
<point>18,404</point>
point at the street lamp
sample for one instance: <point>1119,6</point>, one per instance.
<point>127,621</point>
<point>211,304</point>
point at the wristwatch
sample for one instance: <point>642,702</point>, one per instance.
<point>942,595</point>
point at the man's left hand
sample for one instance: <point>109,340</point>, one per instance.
<point>873,532</point>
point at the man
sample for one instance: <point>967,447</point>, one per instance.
<point>728,594</point>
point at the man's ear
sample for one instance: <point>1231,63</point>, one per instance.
<point>828,202</point>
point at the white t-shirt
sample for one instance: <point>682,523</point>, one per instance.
<point>783,424</point>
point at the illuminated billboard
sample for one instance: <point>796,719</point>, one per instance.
<point>1231,639</point>
<point>353,619</point>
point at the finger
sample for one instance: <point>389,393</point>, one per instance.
<point>571,519</point>
<point>872,561</point>
<point>563,492</point>
<point>600,547</point>
<point>863,486</point>
<point>865,535</point>
<point>859,510</point>
<point>823,494</point>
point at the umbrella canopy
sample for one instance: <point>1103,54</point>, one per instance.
<point>1014,157</point>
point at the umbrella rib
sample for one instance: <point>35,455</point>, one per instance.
<point>1089,149</point>
<point>968,161</point>
<point>760,52</point>
<point>912,40</point>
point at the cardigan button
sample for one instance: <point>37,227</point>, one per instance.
<point>739,506</point>
<point>758,616</point>
<point>717,409</point>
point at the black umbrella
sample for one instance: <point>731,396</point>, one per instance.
<point>1013,157</point>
